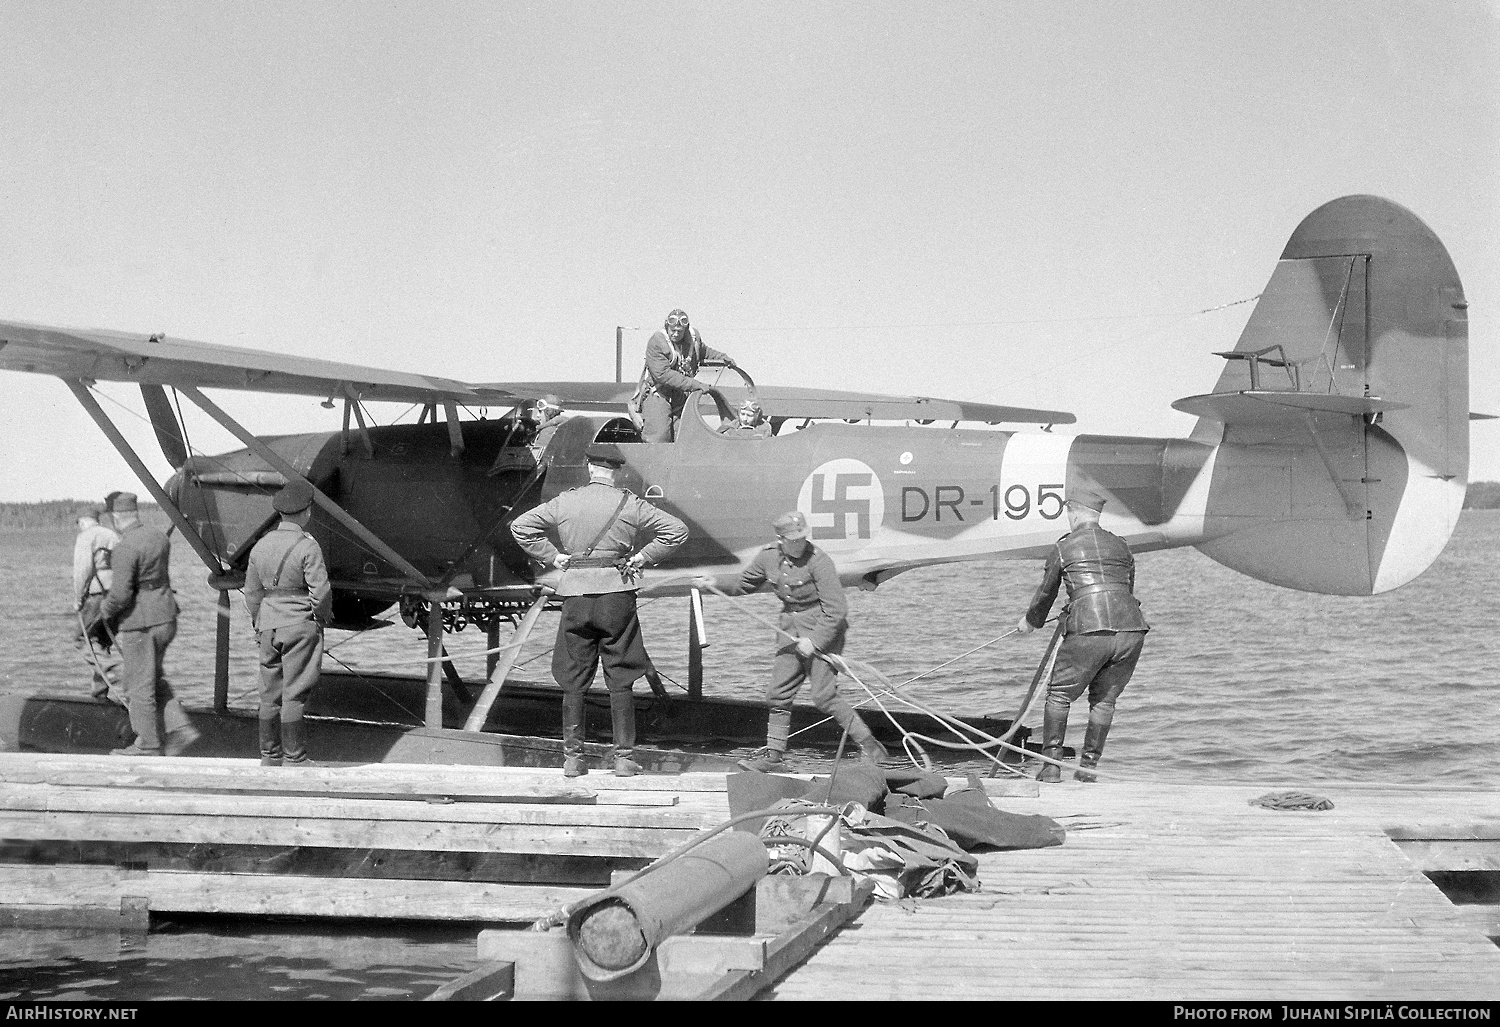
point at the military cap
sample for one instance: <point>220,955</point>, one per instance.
<point>791,525</point>
<point>121,501</point>
<point>606,453</point>
<point>294,497</point>
<point>1087,497</point>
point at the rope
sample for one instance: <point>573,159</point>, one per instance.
<point>559,917</point>
<point>911,739</point>
<point>914,677</point>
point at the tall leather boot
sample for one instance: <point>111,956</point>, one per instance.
<point>1093,748</point>
<point>772,758</point>
<point>1054,730</point>
<point>860,735</point>
<point>622,712</point>
<point>572,732</point>
<point>270,743</point>
<point>294,745</point>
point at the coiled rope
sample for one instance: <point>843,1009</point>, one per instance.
<point>911,740</point>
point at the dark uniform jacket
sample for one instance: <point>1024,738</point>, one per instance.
<point>576,516</point>
<point>808,588</point>
<point>1099,572</point>
<point>140,594</point>
<point>286,581</point>
<point>669,371</point>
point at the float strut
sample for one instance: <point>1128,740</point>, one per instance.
<point>480,711</point>
<point>221,656</point>
<point>434,717</point>
<point>695,646</point>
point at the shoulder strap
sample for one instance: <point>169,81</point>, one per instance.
<point>276,579</point>
<point>624,497</point>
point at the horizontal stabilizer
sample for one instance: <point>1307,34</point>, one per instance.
<point>1267,408</point>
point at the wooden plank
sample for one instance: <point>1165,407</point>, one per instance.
<point>346,834</point>
<point>152,802</point>
<point>303,861</point>
<point>171,892</point>
<point>434,777</point>
<point>1453,854</point>
<point>789,948</point>
<point>489,983</point>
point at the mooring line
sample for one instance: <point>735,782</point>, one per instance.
<point>956,726</point>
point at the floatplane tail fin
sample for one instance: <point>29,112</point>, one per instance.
<point>1343,412</point>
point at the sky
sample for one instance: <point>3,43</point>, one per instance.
<point>1048,205</point>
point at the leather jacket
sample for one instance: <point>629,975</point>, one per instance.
<point>1099,572</point>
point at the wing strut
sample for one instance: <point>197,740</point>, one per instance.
<point>142,472</point>
<point>335,511</point>
<point>216,569</point>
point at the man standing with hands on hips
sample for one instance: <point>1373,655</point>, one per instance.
<point>287,593</point>
<point>1103,627</point>
<point>597,528</point>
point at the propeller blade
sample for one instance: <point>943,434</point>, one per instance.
<point>168,432</point>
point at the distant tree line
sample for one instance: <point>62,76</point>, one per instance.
<point>51,513</point>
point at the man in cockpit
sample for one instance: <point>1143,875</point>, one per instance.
<point>749,424</point>
<point>672,359</point>
<point>546,413</point>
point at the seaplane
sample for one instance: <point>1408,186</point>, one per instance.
<point>1330,456</point>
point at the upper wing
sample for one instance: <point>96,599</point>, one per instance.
<point>160,360</point>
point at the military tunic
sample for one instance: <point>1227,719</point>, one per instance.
<point>143,608</point>
<point>91,580</point>
<point>813,606</point>
<point>599,619</point>
<point>1102,620</point>
<point>289,599</point>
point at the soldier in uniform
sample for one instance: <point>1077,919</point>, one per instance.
<point>597,529</point>
<point>672,359</point>
<point>750,423</point>
<point>814,618</point>
<point>143,609</point>
<point>1103,629</point>
<point>91,579</point>
<point>287,593</point>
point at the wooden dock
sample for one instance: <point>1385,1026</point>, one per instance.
<point>1173,892</point>
<point>1186,892</point>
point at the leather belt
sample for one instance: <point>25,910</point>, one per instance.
<point>594,561</point>
<point>1091,590</point>
<point>794,608</point>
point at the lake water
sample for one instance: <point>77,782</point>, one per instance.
<point>1239,681</point>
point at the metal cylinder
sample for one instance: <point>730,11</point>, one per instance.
<point>615,934</point>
